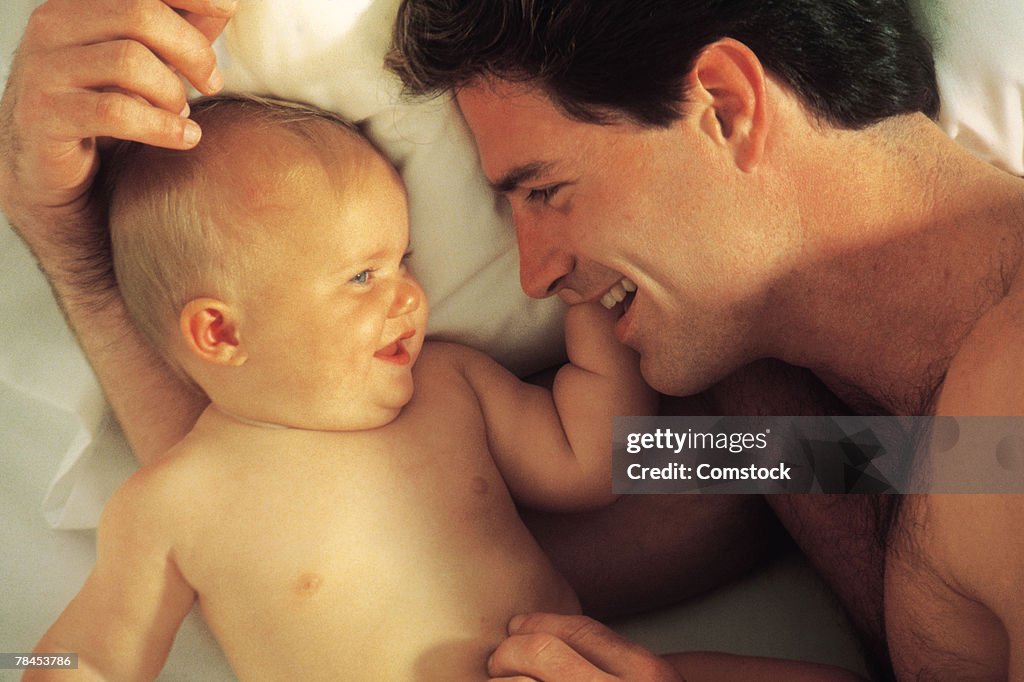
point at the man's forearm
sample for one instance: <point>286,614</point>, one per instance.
<point>153,405</point>
<point>71,244</point>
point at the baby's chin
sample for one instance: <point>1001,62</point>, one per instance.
<point>374,417</point>
<point>325,408</point>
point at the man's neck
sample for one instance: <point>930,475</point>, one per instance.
<point>909,243</point>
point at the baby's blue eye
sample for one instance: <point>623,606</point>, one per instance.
<point>363,277</point>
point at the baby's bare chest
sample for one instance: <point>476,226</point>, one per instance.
<point>378,547</point>
<point>425,485</point>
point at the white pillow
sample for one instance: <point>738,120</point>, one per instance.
<point>328,52</point>
<point>979,62</point>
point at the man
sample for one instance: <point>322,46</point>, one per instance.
<point>768,176</point>
<point>80,63</point>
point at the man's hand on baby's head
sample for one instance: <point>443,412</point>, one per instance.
<point>103,68</point>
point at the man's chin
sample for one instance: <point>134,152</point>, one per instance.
<point>669,380</point>
<point>662,381</point>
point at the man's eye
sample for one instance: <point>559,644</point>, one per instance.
<point>363,277</point>
<point>542,194</point>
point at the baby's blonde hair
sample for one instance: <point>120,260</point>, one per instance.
<point>169,246</point>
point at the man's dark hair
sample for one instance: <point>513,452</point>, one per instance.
<point>853,62</point>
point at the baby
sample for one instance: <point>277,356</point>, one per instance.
<point>332,522</point>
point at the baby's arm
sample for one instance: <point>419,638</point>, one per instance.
<point>554,447</point>
<point>123,621</point>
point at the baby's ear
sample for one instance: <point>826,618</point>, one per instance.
<point>211,332</point>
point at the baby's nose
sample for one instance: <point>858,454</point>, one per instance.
<point>408,296</point>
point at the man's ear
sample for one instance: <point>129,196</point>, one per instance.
<point>211,332</point>
<point>728,79</point>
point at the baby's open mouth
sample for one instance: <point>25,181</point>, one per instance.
<point>395,351</point>
<point>621,292</point>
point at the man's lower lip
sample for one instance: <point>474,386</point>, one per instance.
<point>622,327</point>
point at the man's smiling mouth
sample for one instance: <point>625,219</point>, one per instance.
<point>621,291</point>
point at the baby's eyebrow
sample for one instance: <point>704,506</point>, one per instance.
<point>520,174</point>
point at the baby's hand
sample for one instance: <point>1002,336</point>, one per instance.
<point>590,339</point>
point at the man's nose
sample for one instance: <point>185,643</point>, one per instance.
<point>543,265</point>
<point>408,296</point>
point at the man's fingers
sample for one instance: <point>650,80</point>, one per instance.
<point>124,65</point>
<point>211,27</point>
<point>71,13</point>
<point>176,42</point>
<point>89,69</point>
<point>115,114</point>
<point>615,656</point>
<point>543,657</point>
<point>591,639</point>
<point>64,159</point>
<point>79,116</point>
<point>64,162</point>
<point>212,8</point>
<point>61,24</point>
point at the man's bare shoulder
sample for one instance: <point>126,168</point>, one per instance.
<point>984,376</point>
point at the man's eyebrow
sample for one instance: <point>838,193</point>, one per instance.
<point>520,174</point>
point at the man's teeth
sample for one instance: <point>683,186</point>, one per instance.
<point>618,293</point>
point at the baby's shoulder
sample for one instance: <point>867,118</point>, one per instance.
<point>158,494</point>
